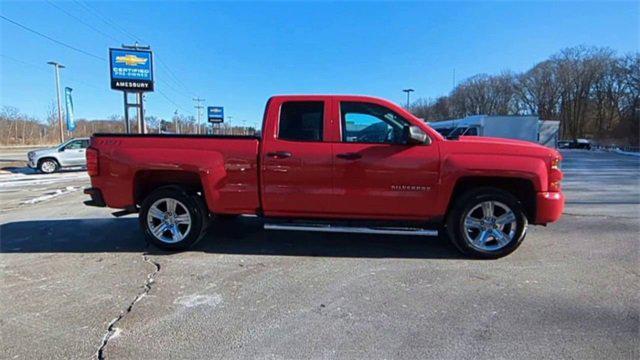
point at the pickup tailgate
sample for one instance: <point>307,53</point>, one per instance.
<point>130,166</point>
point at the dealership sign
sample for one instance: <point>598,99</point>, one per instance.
<point>215,114</point>
<point>131,70</point>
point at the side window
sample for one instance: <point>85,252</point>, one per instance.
<point>301,121</point>
<point>84,144</point>
<point>73,145</point>
<point>371,123</point>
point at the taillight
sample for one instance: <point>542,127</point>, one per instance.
<point>92,162</point>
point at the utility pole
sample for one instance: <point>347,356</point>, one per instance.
<point>408,91</point>
<point>57,67</point>
<point>176,121</point>
<point>199,107</point>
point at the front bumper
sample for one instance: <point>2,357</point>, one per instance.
<point>549,207</point>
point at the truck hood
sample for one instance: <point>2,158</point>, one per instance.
<point>496,140</point>
<point>500,146</point>
<point>44,151</point>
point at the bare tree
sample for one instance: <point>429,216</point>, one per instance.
<point>590,90</point>
<point>538,91</point>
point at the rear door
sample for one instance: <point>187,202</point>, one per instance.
<point>296,160</point>
<point>376,174</point>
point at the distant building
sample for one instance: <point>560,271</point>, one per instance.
<point>528,128</point>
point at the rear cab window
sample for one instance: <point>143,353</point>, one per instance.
<point>301,121</point>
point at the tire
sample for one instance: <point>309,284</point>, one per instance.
<point>175,228</point>
<point>48,166</point>
<point>487,236</point>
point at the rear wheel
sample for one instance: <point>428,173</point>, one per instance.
<point>172,219</point>
<point>487,223</point>
<point>48,166</point>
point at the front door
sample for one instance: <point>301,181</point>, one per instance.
<point>376,174</point>
<point>296,161</point>
<point>74,153</point>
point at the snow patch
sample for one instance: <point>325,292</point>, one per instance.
<point>8,181</point>
<point>51,194</point>
<point>627,152</point>
<point>197,300</point>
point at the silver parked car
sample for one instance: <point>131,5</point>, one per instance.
<point>68,154</point>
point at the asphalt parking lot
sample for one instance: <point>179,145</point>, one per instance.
<point>77,283</point>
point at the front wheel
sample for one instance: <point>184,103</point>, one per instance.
<point>48,166</point>
<point>172,219</point>
<point>487,223</point>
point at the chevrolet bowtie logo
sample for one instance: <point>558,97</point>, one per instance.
<point>131,60</point>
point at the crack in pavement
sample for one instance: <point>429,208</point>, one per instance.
<point>111,329</point>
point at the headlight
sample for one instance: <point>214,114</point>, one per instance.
<point>555,163</point>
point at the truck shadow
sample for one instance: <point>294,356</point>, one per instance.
<point>243,236</point>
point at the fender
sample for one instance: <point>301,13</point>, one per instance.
<point>457,166</point>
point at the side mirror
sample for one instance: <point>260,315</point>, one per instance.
<point>61,149</point>
<point>415,136</point>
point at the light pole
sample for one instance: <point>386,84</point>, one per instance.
<point>408,91</point>
<point>57,67</point>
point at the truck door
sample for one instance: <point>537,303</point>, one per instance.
<point>296,162</point>
<point>375,173</point>
<point>73,154</point>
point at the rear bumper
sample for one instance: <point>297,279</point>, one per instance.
<point>549,207</point>
<point>96,197</point>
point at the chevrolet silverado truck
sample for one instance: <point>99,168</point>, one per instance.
<point>331,163</point>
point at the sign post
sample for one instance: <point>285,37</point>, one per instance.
<point>131,70</point>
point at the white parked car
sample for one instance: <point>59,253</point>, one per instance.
<point>68,154</point>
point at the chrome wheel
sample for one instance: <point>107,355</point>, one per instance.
<point>48,166</point>
<point>489,226</point>
<point>169,220</point>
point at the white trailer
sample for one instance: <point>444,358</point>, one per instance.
<point>528,128</point>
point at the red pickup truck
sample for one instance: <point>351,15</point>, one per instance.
<point>331,163</point>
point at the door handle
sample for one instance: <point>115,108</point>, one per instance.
<point>349,156</point>
<point>279,154</point>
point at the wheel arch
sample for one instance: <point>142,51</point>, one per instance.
<point>521,188</point>
<point>147,181</point>
<point>48,157</point>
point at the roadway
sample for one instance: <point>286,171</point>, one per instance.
<point>72,276</point>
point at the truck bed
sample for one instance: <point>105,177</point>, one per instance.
<point>224,167</point>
